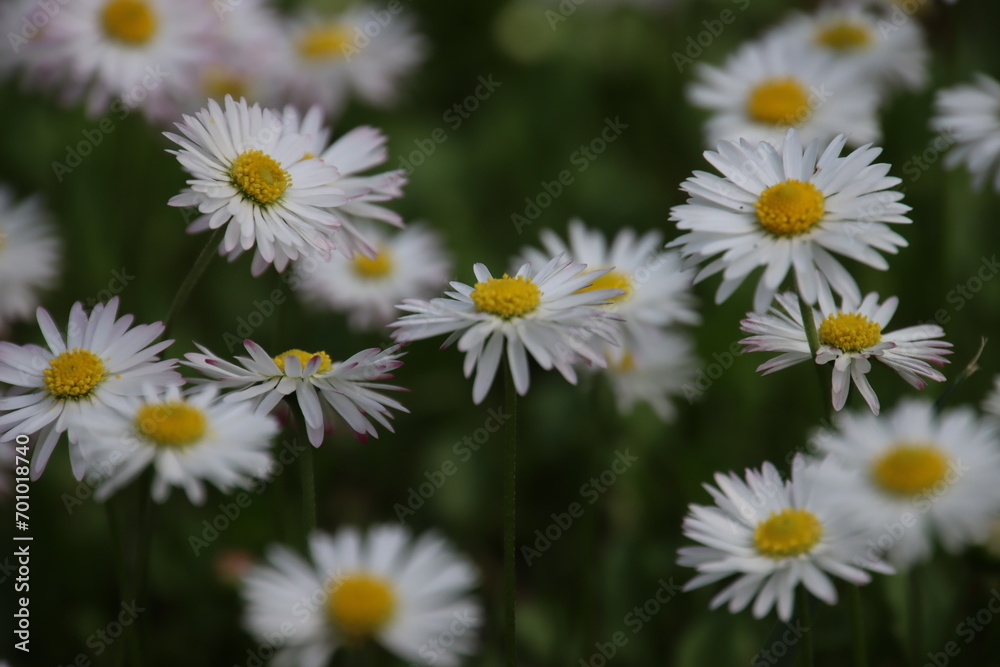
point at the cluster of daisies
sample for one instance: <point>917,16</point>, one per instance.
<point>165,57</point>
<point>877,491</point>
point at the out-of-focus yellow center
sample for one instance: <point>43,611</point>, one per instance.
<point>359,605</point>
<point>781,101</point>
<point>325,42</point>
<point>850,332</point>
<point>790,532</point>
<point>171,424</point>
<point>131,22</point>
<point>790,208</point>
<point>910,468</point>
<point>259,177</point>
<point>73,374</point>
<point>844,36</point>
<point>612,280</point>
<point>373,267</point>
<point>507,297</point>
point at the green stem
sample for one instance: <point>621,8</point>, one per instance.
<point>808,647</point>
<point>510,478</point>
<point>812,336</point>
<point>959,379</point>
<point>118,554</point>
<point>210,250</point>
<point>308,492</point>
<point>858,623</point>
<point>916,620</point>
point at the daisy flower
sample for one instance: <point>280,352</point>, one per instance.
<point>656,291</point>
<point>408,264</point>
<point>849,336</point>
<point>128,52</point>
<point>357,151</point>
<point>885,58</point>
<point>329,58</point>
<point>767,87</point>
<point>652,373</point>
<point>102,361</point>
<point>915,475</point>
<point>382,587</point>
<point>549,313</point>
<point>991,404</point>
<point>324,388</point>
<point>775,534</point>
<point>789,208</point>
<point>188,440</point>
<point>29,256</point>
<point>256,179</point>
<point>967,116</point>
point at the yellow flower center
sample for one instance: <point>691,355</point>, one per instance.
<point>131,22</point>
<point>910,468</point>
<point>259,177</point>
<point>611,280</point>
<point>325,42</point>
<point>844,36</point>
<point>373,267</point>
<point>790,532</point>
<point>359,605</point>
<point>626,364</point>
<point>172,424</point>
<point>218,81</point>
<point>849,332</point>
<point>73,374</point>
<point>790,208</point>
<point>507,297</point>
<point>778,102</point>
<point>325,363</point>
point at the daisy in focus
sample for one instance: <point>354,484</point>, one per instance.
<point>653,373</point>
<point>256,179</point>
<point>789,208</point>
<point>29,256</point>
<point>357,151</point>
<point>853,36</point>
<point>656,291</point>
<point>548,313</point>
<point>381,587</point>
<point>324,388</point>
<point>775,535</point>
<point>937,472</point>
<point>127,53</point>
<point>966,115</point>
<point>409,264</point>
<point>102,361</point>
<point>849,336</point>
<point>188,440</point>
<point>330,58</point>
<point>769,86</point>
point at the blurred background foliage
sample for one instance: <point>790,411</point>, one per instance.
<point>557,88</point>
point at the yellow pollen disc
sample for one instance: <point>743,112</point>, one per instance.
<point>506,297</point>
<point>844,36</point>
<point>359,605</point>
<point>331,41</point>
<point>910,468</point>
<point>790,532</point>
<point>849,332</point>
<point>73,374</point>
<point>325,363</point>
<point>612,280</point>
<point>377,267</point>
<point>626,364</point>
<point>259,177</point>
<point>172,424</point>
<point>778,102</point>
<point>129,21</point>
<point>790,208</point>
